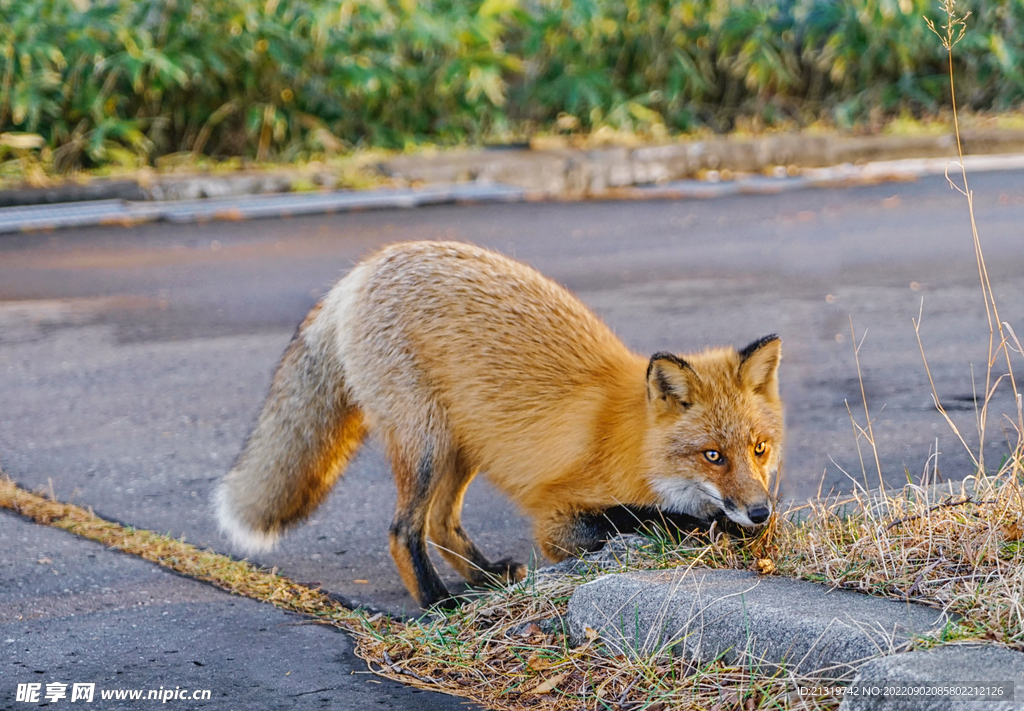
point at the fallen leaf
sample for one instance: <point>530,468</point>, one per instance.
<point>550,684</point>
<point>1013,531</point>
<point>530,629</point>
<point>538,663</point>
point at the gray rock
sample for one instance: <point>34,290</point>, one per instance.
<point>614,555</point>
<point>763,622</point>
<point>539,171</point>
<point>216,186</point>
<point>992,667</point>
<point>73,192</point>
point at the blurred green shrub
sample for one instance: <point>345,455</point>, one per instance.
<point>123,81</point>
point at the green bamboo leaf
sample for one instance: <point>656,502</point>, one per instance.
<point>490,8</point>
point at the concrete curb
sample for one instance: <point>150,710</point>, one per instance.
<point>589,172</point>
<point>766,623</point>
<point>127,213</point>
<point>157,187</point>
<point>561,171</point>
<point>996,669</point>
<point>71,192</point>
<point>834,176</point>
<point>242,207</point>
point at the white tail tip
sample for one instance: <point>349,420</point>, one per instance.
<point>241,535</point>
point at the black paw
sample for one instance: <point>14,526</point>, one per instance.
<point>509,569</point>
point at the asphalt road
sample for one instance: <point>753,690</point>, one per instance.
<point>72,612</point>
<point>133,360</point>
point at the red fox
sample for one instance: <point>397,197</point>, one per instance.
<point>464,361</point>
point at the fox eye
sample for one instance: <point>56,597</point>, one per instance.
<point>760,448</point>
<point>713,456</point>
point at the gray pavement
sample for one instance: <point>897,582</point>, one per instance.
<point>132,360</point>
<point>72,611</point>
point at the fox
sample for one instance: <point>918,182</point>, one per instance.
<point>464,361</point>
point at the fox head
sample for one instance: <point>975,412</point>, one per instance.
<point>716,430</point>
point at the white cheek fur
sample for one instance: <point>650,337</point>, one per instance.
<point>700,499</point>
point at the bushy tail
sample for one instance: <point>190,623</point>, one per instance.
<point>306,433</point>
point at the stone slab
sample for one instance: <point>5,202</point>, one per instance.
<point>764,622</point>
<point>955,665</point>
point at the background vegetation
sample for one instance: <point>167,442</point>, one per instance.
<point>127,81</point>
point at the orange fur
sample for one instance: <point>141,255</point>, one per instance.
<point>465,361</point>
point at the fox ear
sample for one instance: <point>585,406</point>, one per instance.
<point>668,378</point>
<point>759,365</point>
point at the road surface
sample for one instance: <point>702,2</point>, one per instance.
<point>133,360</point>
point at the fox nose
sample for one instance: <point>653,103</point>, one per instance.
<point>759,514</point>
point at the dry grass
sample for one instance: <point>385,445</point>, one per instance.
<point>509,651</point>
<point>234,576</point>
<point>961,553</point>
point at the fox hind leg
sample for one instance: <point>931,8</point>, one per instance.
<point>447,533</point>
<point>416,477</point>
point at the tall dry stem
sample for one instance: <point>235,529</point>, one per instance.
<point>869,432</point>
<point>949,34</point>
